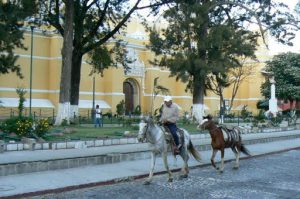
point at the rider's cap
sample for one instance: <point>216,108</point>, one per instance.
<point>167,98</point>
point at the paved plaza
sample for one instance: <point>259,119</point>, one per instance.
<point>271,177</point>
<point>134,170</point>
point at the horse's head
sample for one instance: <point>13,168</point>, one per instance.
<point>205,122</point>
<point>143,125</point>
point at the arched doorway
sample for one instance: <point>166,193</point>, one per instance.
<point>131,91</point>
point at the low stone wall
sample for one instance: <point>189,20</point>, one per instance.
<point>31,144</point>
<point>68,144</point>
<point>2,146</point>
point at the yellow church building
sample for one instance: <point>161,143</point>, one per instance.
<point>135,87</point>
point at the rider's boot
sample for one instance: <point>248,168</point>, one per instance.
<point>175,149</point>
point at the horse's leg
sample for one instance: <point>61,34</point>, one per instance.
<point>237,158</point>
<point>212,159</point>
<point>165,159</point>
<point>153,159</point>
<point>222,160</point>
<point>185,169</point>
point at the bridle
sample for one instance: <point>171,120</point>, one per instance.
<point>212,131</point>
<point>144,131</point>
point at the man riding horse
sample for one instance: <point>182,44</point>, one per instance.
<point>169,117</point>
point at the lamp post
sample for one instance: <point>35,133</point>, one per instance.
<point>93,108</point>
<point>30,87</point>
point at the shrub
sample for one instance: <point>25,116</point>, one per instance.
<point>261,116</point>
<point>64,122</point>
<point>121,108</point>
<point>128,122</point>
<point>230,115</point>
<point>8,125</point>
<point>21,126</point>
<point>137,110</point>
<point>25,126</point>
<point>245,113</point>
<point>42,127</point>
<point>108,115</point>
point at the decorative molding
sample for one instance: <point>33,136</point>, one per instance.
<point>2,89</point>
<point>174,97</point>
<point>157,69</point>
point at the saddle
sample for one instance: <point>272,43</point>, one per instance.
<point>230,135</point>
<point>170,140</point>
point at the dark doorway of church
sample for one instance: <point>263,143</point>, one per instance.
<point>129,92</point>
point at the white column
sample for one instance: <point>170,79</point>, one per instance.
<point>273,101</point>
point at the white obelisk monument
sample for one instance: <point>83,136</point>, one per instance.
<point>273,101</point>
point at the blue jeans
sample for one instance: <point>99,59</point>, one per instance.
<point>173,129</point>
<point>99,122</point>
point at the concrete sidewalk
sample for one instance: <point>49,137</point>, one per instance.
<point>45,155</point>
<point>30,184</point>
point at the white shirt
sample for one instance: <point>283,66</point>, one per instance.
<point>98,113</point>
<point>170,114</point>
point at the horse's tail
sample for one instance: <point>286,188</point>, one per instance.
<point>194,152</point>
<point>245,150</point>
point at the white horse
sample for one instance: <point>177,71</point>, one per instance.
<point>154,134</point>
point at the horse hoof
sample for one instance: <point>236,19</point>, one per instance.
<point>221,171</point>
<point>146,183</point>
<point>235,168</point>
<point>183,176</point>
<point>170,180</point>
<point>217,168</point>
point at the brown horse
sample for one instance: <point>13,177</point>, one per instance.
<point>222,138</point>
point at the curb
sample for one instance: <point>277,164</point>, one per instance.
<point>7,169</point>
<point>130,178</point>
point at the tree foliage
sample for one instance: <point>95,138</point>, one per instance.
<point>95,25</point>
<point>157,89</point>
<point>12,16</point>
<point>286,70</point>
<point>211,37</point>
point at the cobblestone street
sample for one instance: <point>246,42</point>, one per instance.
<point>273,176</point>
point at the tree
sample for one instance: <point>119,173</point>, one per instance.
<point>234,78</point>
<point>286,70</point>
<point>21,93</point>
<point>65,78</point>
<point>12,16</point>
<point>297,8</point>
<point>121,108</point>
<point>157,89</point>
<point>95,23</point>
<point>203,37</point>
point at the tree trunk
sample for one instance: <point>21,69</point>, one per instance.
<point>75,81</point>
<point>65,79</point>
<point>198,100</point>
<point>222,108</point>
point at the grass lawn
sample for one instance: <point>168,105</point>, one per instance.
<point>82,133</point>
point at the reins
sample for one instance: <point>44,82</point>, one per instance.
<point>212,131</point>
<point>147,134</point>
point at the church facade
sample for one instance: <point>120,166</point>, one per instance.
<point>135,87</point>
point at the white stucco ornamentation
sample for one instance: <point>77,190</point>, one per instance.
<point>137,66</point>
<point>139,35</point>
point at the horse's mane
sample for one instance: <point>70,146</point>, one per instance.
<point>209,117</point>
